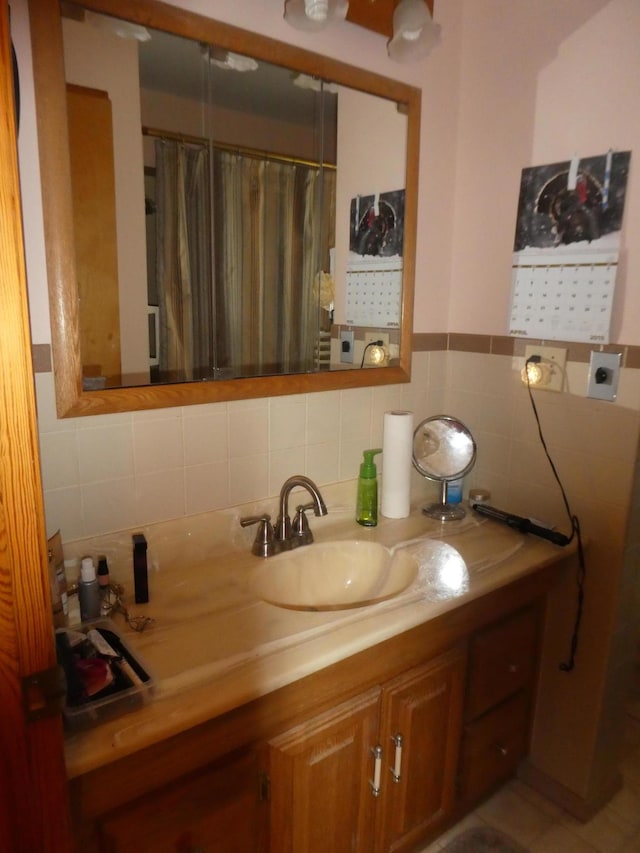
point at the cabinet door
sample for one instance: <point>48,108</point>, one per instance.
<point>424,708</point>
<point>213,811</point>
<point>320,798</point>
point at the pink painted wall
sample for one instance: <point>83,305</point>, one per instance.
<point>512,84</point>
<point>538,83</point>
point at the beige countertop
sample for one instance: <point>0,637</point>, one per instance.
<point>213,646</point>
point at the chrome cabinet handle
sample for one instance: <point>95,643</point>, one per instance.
<point>396,770</point>
<point>377,768</point>
<point>501,749</point>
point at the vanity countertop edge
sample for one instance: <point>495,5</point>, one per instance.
<point>296,644</point>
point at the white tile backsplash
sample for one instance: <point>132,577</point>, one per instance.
<point>248,431</point>
<point>160,495</point>
<point>106,473</point>
<point>158,445</point>
<point>113,460</point>
<point>109,505</point>
<point>59,453</point>
<point>206,487</point>
<point>249,478</point>
<point>206,438</point>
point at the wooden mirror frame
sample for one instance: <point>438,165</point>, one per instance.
<point>51,109</point>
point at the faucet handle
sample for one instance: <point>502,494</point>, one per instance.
<point>300,531</point>
<point>265,544</point>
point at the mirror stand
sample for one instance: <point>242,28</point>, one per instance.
<point>443,450</point>
<point>442,510</point>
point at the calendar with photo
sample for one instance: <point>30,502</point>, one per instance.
<point>374,267</point>
<point>566,248</point>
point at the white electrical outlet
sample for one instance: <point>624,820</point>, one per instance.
<point>377,336</point>
<point>555,359</point>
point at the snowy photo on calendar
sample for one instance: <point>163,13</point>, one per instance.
<point>566,248</point>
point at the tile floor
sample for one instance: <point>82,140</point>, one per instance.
<point>542,827</point>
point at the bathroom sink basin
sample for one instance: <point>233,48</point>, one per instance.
<point>333,576</point>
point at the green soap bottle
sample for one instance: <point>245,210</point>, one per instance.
<point>367,500</point>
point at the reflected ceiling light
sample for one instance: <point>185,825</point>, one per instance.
<point>123,29</point>
<point>228,60</point>
<point>314,84</point>
<point>314,14</point>
<point>415,33</point>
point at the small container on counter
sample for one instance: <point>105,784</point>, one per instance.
<point>367,494</point>
<point>88,591</point>
<point>84,652</point>
<point>479,496</point>
<point>103,583</point>
<point>58,580</point>
<point>140,574</point>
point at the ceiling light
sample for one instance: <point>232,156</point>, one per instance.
<point>314,14</point>
<point>228,60</point>
<point>415,33</point>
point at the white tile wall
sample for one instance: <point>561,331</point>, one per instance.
<point>107,473</point>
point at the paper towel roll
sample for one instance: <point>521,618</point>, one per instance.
<point>397,449</point>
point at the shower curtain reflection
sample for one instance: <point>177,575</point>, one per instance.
<point>183,260</point>
<point>267,255</point>
<point>238,252</point>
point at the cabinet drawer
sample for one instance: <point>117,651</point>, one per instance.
<point>493,746</point>
<point>502,661</point>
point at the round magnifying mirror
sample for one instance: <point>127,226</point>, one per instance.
<point>443,450</point>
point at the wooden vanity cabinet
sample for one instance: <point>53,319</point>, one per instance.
<point>317,775</point>
<point>214,810</point>
<point>423,707</point>
<point>500,690</point>
<point>291,772</point>
<point>377,773</point>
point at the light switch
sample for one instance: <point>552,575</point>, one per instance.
<point>347,342</point>
<point>604,374</point>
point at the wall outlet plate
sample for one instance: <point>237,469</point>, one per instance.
<point>377,336</point>
<point>604,374</point>
<point>347,344</point>
<point>556,359</point>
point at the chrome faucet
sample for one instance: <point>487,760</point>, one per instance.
<point>300,534</point>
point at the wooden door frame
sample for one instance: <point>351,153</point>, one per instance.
<point>33,791</point>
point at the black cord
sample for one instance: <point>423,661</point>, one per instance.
<point>370,344</point>
<point>565,666</point>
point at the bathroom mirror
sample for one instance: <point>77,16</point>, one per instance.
<point>443,450</point>
<point>89,323</point>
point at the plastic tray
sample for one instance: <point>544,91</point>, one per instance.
<point>121,697</point>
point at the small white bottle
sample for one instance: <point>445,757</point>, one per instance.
<point>88,591</point>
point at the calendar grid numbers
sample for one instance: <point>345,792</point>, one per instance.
<point>569,299</point>
<point>374,295</point>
